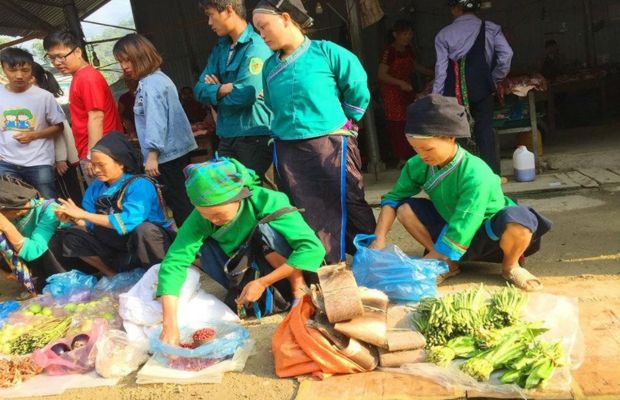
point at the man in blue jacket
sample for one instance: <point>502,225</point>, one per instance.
<point>232,83</point>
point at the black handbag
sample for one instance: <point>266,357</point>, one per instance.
<point>247,264</point>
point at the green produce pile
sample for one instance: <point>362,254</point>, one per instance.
<point>39,336</point>
<point>485,329</point>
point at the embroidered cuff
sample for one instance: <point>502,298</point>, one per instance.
<point>118,224</point>
<point>489,230</point>
<point>392,203</point>
<point>448,248</point>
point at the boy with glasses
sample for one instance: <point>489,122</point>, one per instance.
<point>29,120</point>
<point>91,105</point>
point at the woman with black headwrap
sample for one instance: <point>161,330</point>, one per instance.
<point>316,91</point>
<point>27,223</point>
<point>121,224</point>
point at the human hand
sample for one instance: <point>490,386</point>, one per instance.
<point>378,244</point>
<point>435,255</point>
<point>151,168</point>
<point>225,89</point>
<point>170,335</point>
<point>405,86</point>
<point>24,137</point>
<point>62,167</point>
<point>251,292</point>
<point>212,79</point>
<point>90,169</point>
<point>70,209</point>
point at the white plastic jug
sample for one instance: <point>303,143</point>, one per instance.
<point>524,164</point>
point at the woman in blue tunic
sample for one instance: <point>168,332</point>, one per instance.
<point>121,224</point>
<point>316,91</point>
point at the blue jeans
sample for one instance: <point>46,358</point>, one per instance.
<point>42,177</point>
<point>213,258</point>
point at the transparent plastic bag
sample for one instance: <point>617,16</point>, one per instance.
<point>560,315</point>
<point>228,338</point>
<point>119,283</point>
<point>390,270</point>
<point>77,361</point>
<point>117,356</point>
<point>70,287</point>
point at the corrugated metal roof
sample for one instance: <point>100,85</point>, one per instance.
<point>24,17</point>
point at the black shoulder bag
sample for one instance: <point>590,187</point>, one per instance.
<point>249,263</point>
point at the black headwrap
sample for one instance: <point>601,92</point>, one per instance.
<point>437,115</point>
<point>115,145</point>
<point>294,8</point>
<point>15,193</point>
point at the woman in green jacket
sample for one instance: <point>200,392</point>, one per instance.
<point>27,223</point>
<point>229,203</point>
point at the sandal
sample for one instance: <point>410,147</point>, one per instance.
<point>442,277</point>
<point>522,278</point>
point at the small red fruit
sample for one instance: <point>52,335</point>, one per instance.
<point>202,336</point>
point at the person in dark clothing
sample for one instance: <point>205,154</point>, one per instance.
<point>472,56</point>
<point>27,223</point>
<point>121,224</point>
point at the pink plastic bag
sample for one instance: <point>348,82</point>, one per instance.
<point>78,361</point>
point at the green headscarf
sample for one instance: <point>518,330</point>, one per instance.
<point>218,181</point>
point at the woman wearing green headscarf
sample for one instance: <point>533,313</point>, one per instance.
<point>229,204</point>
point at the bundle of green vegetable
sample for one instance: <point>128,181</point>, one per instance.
<point>486,330</point>
<point>40,335</point>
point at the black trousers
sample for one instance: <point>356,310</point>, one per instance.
<point>173,181</point>
<point>252,151</point>
<point>484,135</point>
<point>145,246</point>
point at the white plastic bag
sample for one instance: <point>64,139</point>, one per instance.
<point>117,356</point>
<point>139,304</point>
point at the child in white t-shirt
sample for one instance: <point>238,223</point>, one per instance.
<point>30,118</point>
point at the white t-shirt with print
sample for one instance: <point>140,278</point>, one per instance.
<point>32,110</point>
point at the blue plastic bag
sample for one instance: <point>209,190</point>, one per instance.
<point>390,270</point>
<point>229,337</point>
<point>119,283</point>
<point>70,287</point>
<point>7,308</point>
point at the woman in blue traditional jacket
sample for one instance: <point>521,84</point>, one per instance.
<point>316,91</point>
<point>121,224</point>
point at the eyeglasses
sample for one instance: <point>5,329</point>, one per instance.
<point>59,59</point>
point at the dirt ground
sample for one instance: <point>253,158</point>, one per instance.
<point>581,253</point>
<point>580,257</point>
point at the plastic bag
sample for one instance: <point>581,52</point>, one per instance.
<point>228,338</point>
<point>6,309</point>
<point>73,286</point>
<point>140,306</point>
<point>77,361</point>
<point>390,270</point>
<point>561,317</point>
<point>119,283</point>
<point>117,356</point>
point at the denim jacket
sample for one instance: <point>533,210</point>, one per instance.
<point>243,111</point>
<point>161,122</point>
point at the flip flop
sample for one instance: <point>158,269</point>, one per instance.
<point>520,277</point>
<point>442,277</point>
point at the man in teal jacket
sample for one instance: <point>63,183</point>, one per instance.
<point>232,83</point>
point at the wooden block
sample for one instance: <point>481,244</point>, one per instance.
<point>375,386</point>
<point>581,179</point>
<point>600,373</point>
<point>398,358</point>
<point>600,175</point>
<point>340,293</point>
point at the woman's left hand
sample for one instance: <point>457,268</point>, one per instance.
<point>151,167</point>
<point>69,208</point>
<point>251,292</point>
